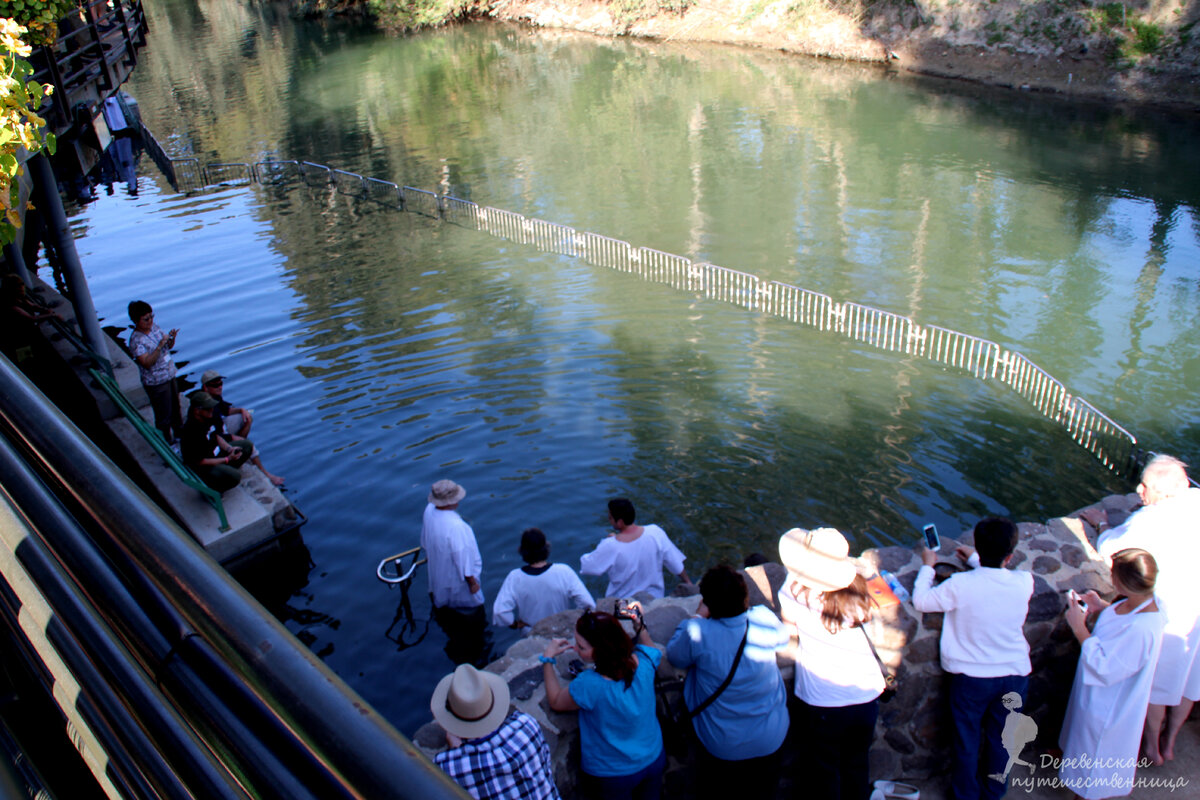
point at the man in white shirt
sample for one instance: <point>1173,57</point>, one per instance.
<point>983,647</point>
<point>1168,526</point>
<point>449,544</point>
<point>634,557</point>
<point>538,589</point>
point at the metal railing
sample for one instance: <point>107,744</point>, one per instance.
<point>1112,444</point>
<point>95,51</point>
<point>155,438</point>
<point>172,681</point>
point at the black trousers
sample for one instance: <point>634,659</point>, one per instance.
<point>834,742</point>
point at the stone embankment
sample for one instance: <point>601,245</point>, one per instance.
<point>1140,51</point>
<point>912,740</point>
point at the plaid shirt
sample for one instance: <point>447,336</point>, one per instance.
<point>511,762</point>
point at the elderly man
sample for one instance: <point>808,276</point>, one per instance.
<point>454,568</point>
<point>233,423</point>
<point>1168,525</point>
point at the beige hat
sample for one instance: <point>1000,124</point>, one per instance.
<point>469,703</point>
<point>446,493</point>
<point>818,558</point>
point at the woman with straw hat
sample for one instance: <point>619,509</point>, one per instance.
<point>838,681</point>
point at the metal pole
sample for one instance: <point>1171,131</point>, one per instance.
<point>50,204</point>
<point>357,746</point>
<point>12,254</point>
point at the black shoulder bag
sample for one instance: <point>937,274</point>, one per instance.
<point>675,717</point>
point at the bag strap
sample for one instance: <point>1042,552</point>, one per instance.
<point>728,678</point>
<point>889,679</point>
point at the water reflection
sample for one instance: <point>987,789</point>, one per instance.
<point>385,350</point>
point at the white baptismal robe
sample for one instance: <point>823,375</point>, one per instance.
<point>1103,726</point>
<point>1170,531</point>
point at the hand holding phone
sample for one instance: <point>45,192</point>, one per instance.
<point>1075,598</point>
<point>932,540</point>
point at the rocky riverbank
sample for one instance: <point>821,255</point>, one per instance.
<point>912,739</point>
<point>1140,52</point>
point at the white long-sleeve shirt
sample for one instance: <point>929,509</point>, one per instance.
<point>449,544</point>
<point>983,633</point>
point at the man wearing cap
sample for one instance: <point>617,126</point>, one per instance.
<point>232,423</point>
<point>538,589</point>
<point>493,753</point>
<point>214,459</point>
<point>449,544</point>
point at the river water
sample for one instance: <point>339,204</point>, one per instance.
<point>383,350</point>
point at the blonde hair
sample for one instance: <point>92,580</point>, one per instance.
<point>1135,569</point>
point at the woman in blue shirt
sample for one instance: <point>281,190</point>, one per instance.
<point>742,731</point>
<point>621,743</point>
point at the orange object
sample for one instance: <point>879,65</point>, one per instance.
<point>881,593</point>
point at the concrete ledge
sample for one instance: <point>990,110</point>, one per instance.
<point>256,510</point>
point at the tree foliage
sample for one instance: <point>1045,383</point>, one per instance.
<point>40,17</point>
<point>20,125</point>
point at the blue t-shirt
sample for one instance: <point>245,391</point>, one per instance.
<point>618,729</point>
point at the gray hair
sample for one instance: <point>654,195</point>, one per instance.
<point>1166,475</point>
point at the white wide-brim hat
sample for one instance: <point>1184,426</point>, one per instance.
<point>469,703</point>
<point>446,493</point>
<point>818,559</point>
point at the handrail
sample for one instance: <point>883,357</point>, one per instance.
<point>355,753</point>
<point>398,562</point>
<point>94,38</point>
<point>154,437</point>
<point>67,333</point>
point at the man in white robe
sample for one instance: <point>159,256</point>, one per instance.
<point>1168,526</point>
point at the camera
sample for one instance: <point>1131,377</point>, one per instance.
<point>623,611</point>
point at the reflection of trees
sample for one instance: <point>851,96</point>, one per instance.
<point>813,173</point>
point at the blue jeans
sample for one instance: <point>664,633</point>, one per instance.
<point>645,784</point>
<point>979,715</point>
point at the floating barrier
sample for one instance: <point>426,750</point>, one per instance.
<point>1090,428</point>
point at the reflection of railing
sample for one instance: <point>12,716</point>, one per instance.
<point>1098,434</point>
<point>94,53</point>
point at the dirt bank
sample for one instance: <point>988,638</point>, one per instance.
<point>1118,52</point>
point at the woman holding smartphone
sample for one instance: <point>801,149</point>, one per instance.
<point>1103,727</point>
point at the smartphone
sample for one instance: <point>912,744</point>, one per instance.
<point>1071,593</point>
<point>931,537</point>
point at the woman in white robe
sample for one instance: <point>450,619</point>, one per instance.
<point>1103,727</point>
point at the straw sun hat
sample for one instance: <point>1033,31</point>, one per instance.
<point>818,558</point>
<point>469,703</point>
